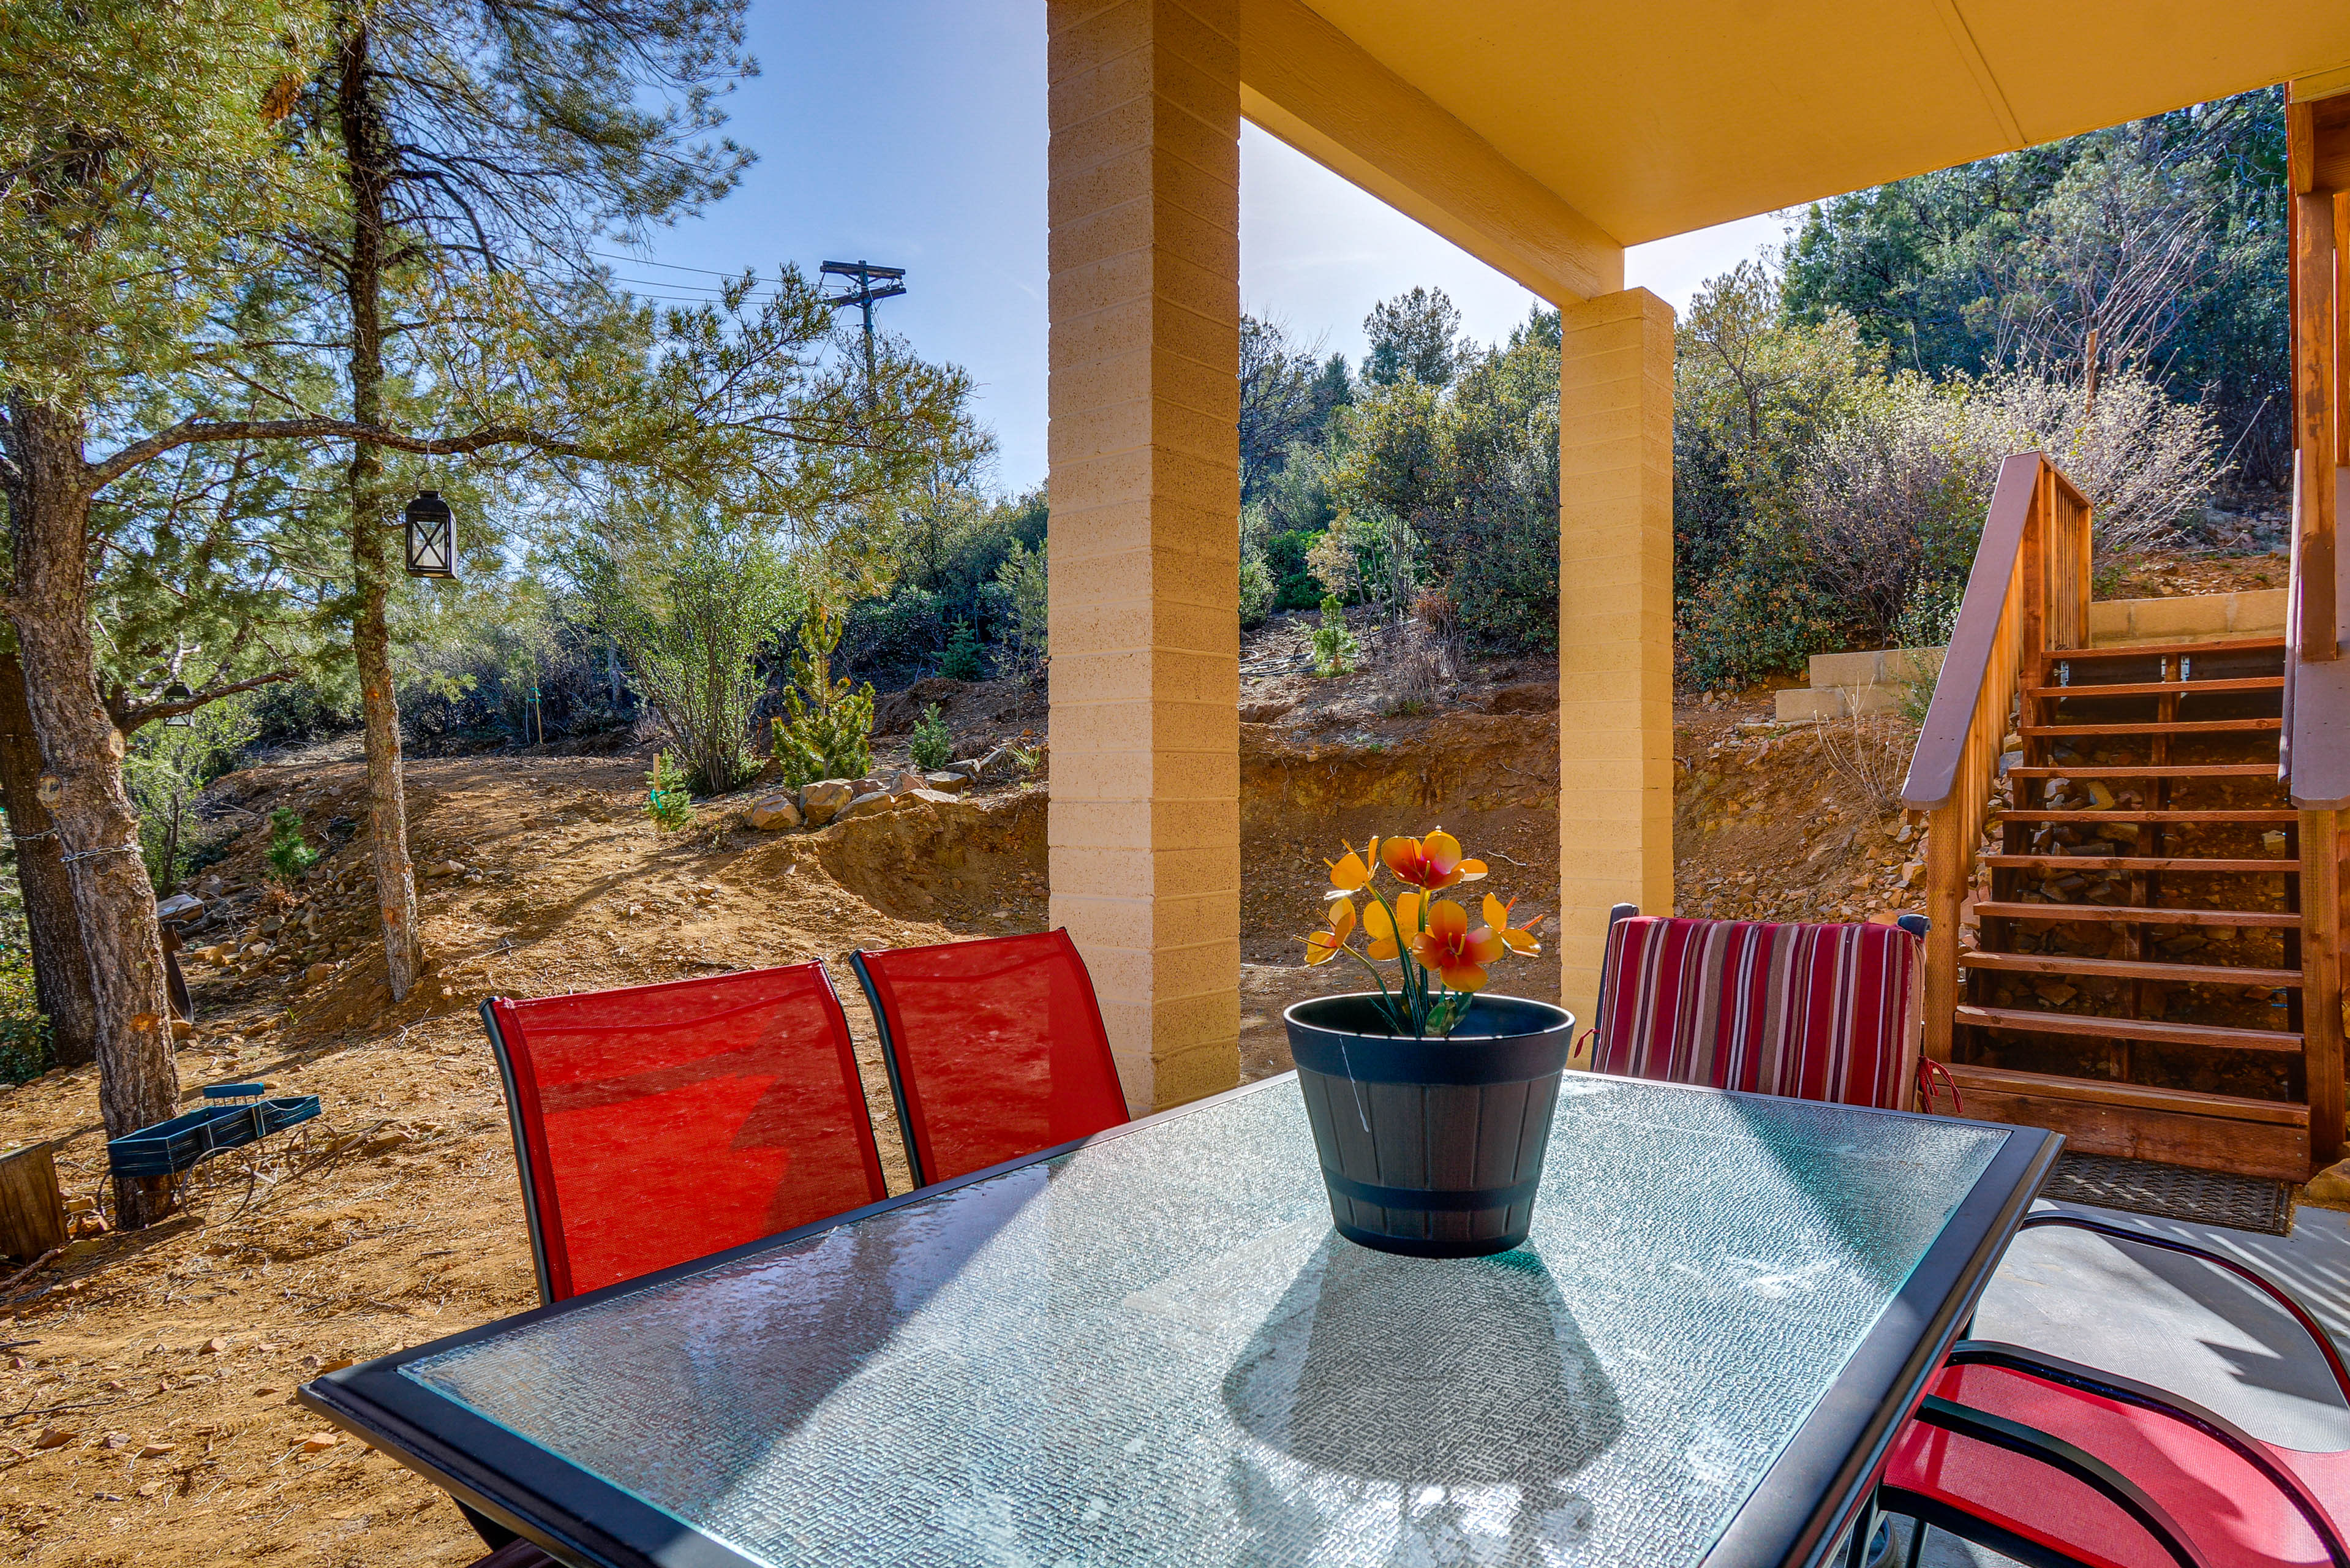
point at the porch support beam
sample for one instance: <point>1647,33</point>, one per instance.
<point>1307,83</point>
<point>1616,626</point>
<point>1144,545</point>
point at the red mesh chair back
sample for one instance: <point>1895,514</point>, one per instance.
<point>995,1049</point>
<point>1809,1011</point>
<point>658,1124</point>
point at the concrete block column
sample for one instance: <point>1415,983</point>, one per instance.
<point>1616,626</point>
<point>1144,550</point>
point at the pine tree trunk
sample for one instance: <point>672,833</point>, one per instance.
<point>139,1084</point>
<point>366,160</point>
<point>60,967</point>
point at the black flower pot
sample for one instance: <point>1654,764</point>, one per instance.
<point>1430,1146</point>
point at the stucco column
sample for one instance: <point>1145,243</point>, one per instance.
<point>1144,549</point>
<point>1616,625</point>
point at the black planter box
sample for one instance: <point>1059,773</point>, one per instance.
<point>1431,1148</point>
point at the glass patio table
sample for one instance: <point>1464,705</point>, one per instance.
<point>1152,1348</point>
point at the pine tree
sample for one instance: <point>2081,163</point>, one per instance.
<point>829,732</point>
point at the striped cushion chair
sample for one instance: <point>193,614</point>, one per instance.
<point>1811,1012</point>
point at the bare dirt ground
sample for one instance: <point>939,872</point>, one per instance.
<point>148,1377</point>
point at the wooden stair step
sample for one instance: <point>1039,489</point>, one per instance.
<point>2162,688</point>
<point>2129,1029</point>
<point>2142,863</point>
<point>2248,815</point>
<point>2157,650</point>
<point>2130,969</point>
<point>2138,1097</point>
<point>2129,914</point>
<point>2155,727</point>
<point>2150,771</point>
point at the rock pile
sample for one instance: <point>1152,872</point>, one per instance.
<point>837,799</point>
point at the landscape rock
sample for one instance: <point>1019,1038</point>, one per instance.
<point>54,1438</point>
<point>316,973</point>
<point>319,1442</point>
<point>968,767</point>
<point>908,780</point>
<point>179,907</point>
<point>821,801</point>
<point>1265,713</point>
<point>775,813</point>
<point>446,868</point>
<point>999,765</point>
<point>949,783</point>
<point>2330,1187</point>
<point>869,804</point>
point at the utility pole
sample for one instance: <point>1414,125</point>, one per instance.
<point>863,295</point>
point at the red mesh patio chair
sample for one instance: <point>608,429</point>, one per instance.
<point>2054,1463</point>
<point>1829,1013</point>
<point>658,1124</point>
<point>995,1049</point>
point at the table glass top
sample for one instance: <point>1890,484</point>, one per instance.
<point>1157,1350</point>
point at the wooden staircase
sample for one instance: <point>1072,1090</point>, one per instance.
<point>2120,949</point>
<point>2134,867</point>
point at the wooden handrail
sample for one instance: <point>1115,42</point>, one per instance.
<point>1979,662</point>
<point>2028,597</point>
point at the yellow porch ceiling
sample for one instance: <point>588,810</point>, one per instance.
<point>1657,118</point>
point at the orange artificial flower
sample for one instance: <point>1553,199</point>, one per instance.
<point>1381,927</point>
<point>1323,946</point>
<point>1350,874</point>
<point>1454,952</point>
<point>1431,862</point>
<point>1518,939</point>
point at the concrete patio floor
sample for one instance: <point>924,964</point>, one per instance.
<point>2178,1324</point>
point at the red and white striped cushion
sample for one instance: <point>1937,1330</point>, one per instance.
<point>1811,1012</point>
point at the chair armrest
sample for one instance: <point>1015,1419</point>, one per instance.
<point>2045,1447</point>
<point>2250,1275</point>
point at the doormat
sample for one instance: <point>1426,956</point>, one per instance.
<point>2173,1192</point>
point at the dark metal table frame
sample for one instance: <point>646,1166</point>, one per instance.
<point>1817,1488</point>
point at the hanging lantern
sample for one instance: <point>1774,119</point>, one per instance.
<point>432,537</point>
<point>176,692</point>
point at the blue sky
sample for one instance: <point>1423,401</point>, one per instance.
<point>913,135</point>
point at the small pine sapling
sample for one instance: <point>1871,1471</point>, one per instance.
<point>668,801</point>
<point>289,856</point>
<point>829,730</point>
<point>933,747</point>
<point>1336,651</point>
<point>962,660</point>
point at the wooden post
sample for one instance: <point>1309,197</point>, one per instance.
<point>32,1212</point>
<point>2321,973</point>
<point>2314,436</point>
<point>1949,863</point>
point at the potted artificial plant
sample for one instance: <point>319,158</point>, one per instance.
<point>1431,1099</point>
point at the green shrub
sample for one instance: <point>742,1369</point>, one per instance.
<point>829,732</point>
<point>668,801</point>
<point>289,856</point>
<point>24,1028</point>
<point>1336,651</point>
<point>1293,587</point>
<point>1256,587</point>
<point>962,660</point>
<point>933,747</point>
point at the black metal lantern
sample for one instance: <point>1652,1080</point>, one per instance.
<point>176,692</point>
<point>432,537</point>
